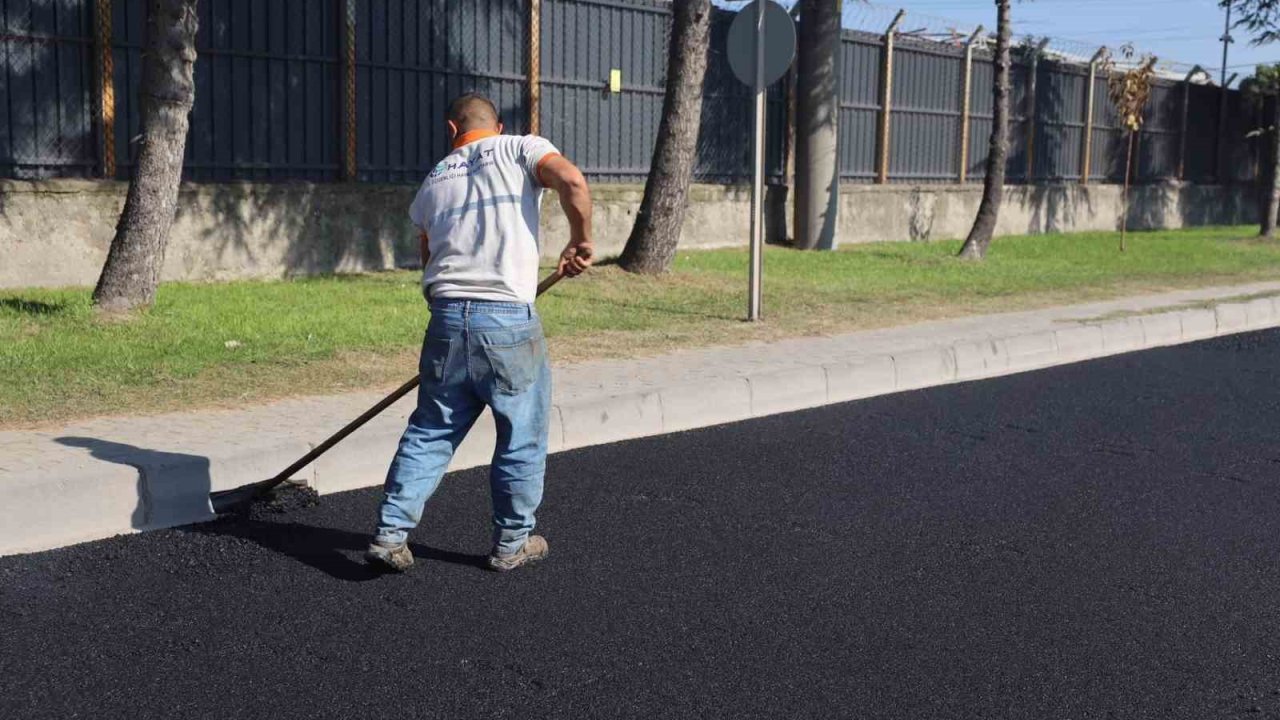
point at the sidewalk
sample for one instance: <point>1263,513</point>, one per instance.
<point>106,476</point>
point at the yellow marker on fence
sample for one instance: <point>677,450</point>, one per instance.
<point>615,80</point>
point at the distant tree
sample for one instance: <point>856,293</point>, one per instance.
<point>1262,88</point>
<point>1129,91</point>
<point>652,244</point>
<point>1260,17</point>
<point>165,96</point>
<point>984,225</point>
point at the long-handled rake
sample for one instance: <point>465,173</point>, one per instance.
<point>225,501</point>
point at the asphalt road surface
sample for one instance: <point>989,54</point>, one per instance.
<point>1094,541</point>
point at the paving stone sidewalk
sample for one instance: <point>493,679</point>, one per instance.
<point>106,476</point>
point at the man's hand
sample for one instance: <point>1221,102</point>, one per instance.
<point>575,259</point>
<point>560,175</point>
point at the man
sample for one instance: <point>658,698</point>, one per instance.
<point>477,213</point>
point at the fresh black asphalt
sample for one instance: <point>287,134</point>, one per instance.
<point>1094,541</point>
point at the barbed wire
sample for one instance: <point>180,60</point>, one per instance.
<point>875,18</point>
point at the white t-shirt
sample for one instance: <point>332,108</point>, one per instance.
<point>479,207</point>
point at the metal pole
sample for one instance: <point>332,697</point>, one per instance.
<point>347,136</point>
<point>886,102</point>
<point>1219,164</point>
<point>1220,161</point>
<point>105,85</point>
<point>1087,158</point>
<point>1182,127</point>
<point>757,175</point>
<point>1031,109</point>
<point>535,67</point>
<point>965,89</point>
<point>1226,44</point>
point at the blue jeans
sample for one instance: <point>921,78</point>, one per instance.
<point>475,354</point>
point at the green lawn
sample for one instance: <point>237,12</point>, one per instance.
<point>226,343</point>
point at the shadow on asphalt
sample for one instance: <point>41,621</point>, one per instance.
<point>331,551</point>
<point>334,552</point>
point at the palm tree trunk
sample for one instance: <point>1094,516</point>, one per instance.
<point>818,125</point>
<point>1124,197</point>
<point>1273,201</point>
<point>652,244</point>
<point>132,271</point>
<point>984,225</point>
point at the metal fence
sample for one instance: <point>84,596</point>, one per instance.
<point>326,90</point>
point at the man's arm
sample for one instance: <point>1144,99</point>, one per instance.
<point>424,248</point>
<point>560,175</point>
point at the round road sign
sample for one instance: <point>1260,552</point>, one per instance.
<point>779,43</point>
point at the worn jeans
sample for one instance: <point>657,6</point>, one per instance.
<point>476,353</point>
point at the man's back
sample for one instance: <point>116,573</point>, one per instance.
<point>480,207</point>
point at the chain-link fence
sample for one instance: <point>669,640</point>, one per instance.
<point>46,93</point>
<point>326,90</point>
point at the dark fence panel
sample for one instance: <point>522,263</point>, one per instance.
<point>265,86</point>
<point>725,131</point>
<point>1060,107</point>
<point>982,118</point>
<point>1202,136</point>
<point>860,82</point>
<point>609,135</point>
<point>612,135</point>
<point>1240,154</point>
<point>1156,154</point>
<point>1107,150</point>
<point>412,58</point>
<point>46,89</point>
<point>271,81</point>
<point>925,116</point>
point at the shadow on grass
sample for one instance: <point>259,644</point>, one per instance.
<point>32,307</point>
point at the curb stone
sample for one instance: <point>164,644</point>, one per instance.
<point>98,499</point>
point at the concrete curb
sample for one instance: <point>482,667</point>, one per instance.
<point>96,499</point>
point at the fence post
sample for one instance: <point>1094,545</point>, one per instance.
<point>1031,108</point>
<point>886,101</point>
<point>104,84</point>
<point>1220,160</point>
<point>535,67</point>
<point>1182,124</point>
<point>1086,159</point>
<point>347,120</point>
<point>965,88</point>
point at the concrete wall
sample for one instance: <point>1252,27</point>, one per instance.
<point>56,233</point>
<point>870,213</point>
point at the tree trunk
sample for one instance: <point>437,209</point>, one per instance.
<point>1124,196</point>
<point>1273,201</point>
<point>652,244</point>
<point>817,124</point>
<point>984,225</point>
<point>166,95</point>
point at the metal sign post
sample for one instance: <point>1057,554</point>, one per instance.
<point>757,175</point>
<point>761,45</point>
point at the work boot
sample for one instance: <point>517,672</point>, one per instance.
<point>534,548</point>
<point>390,555</point>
